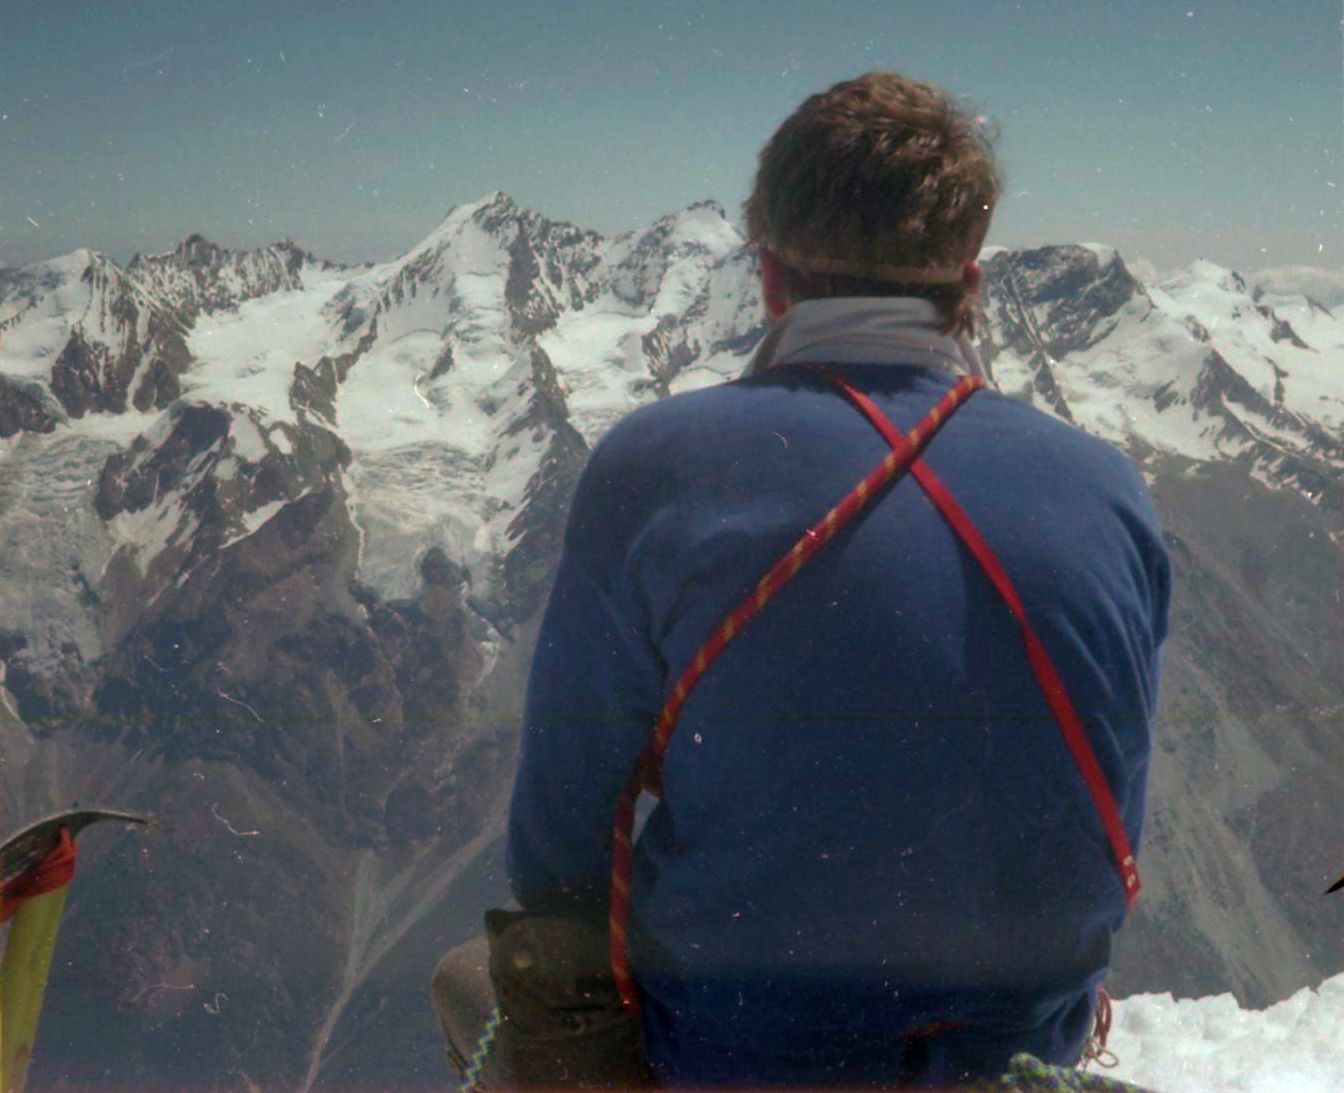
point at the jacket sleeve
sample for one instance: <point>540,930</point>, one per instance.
<point>593,694</point>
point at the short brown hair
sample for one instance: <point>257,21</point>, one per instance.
<point>876,171</point>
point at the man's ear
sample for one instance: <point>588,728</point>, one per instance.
<point>772,285</point>
<point>970,276</point>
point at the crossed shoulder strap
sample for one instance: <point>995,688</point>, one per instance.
<point>905,452</point>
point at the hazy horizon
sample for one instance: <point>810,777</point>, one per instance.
<point>1171,132</point>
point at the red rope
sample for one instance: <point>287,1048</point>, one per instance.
<point>52,872</point>
<point>1104,1017</point>
<point>648,771</point>
<point>1052,686</point>
<point>1094,1048</point>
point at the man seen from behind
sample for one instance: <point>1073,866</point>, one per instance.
<point>878,855</point>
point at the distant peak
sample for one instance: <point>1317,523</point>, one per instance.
<point>195,241</point>
<point>708,204</point>
<point>702,225</point>
<point>77,261</point>
<point>1228,280</point>
<point>698,211</point>
<point>1052,253</point>
<point>197,250</point>
<point>291,249</point>
<point>491,208</point>
<point>1105,253</point>
<point>495,202</point>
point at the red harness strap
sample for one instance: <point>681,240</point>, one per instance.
<point>648,770</point>
<point>52,872</point>
<point>1052,686</point>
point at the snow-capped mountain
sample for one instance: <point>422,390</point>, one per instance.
<point>274,534</point>
<point>1193,366</point>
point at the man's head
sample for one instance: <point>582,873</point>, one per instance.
<point>878,186</point>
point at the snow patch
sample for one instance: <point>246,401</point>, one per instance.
<point>1212,1043</point>
<point>248,355</point>
<point>249,443</point>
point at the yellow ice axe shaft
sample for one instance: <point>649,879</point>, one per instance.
<point>23,981</point>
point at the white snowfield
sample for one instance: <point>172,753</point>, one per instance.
<point>1212,1044</point>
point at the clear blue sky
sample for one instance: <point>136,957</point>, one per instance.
<point>1172,129</point>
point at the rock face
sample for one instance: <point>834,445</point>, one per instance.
<point>275,535</point>
<point>26,407</point>
<point>1248,763</point>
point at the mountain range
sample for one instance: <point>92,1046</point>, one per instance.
<point>275,534</point>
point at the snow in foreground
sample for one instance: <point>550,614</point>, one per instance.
<point>1296,1046</point>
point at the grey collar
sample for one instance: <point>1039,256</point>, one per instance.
<point>864,330</point>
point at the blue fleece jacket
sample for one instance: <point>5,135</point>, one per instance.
<point>870,820</point>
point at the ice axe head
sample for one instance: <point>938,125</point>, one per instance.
<point>28,847</point>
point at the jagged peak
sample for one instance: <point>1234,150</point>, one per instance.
<point>707,216</point>
<point>497,201</point>
<point>704,221</point>
<point>76,263</point>
<point>708,204</point>
<point>708,209</point>
<point>500,217</point>
<point>494,204</point>
<point>1205,272</point>
<point>1106,254</point>
<point>1042,255</point>
<point>198,249</point>
<point>1063,265</point>
<point>295,256</point>
<point>702,225</point>
<point>483,212</point>
<point>192,246</point>
<point>196,240</point>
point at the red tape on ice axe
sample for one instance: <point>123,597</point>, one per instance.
<point>52,872</point>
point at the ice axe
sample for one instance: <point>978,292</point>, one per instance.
<point>36,865</point>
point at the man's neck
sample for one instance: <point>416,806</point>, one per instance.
<point>864,330</point>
